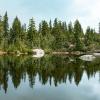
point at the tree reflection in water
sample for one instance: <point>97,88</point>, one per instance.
<point>57,68</point>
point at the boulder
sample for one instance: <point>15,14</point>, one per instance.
<point>96,54</point>
<point>38,53</point>
<point>87,57</point>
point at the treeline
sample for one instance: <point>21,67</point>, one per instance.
<point>50,36</point>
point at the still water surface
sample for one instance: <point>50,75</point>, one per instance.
<point>49,78</point>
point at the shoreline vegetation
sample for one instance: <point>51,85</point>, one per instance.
<point>77,53</point>
<point>55,37</point>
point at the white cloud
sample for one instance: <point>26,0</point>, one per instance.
<point>87,11</point>
<point>81,2</point>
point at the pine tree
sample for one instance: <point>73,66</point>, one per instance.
<point>64,27</point>
<point>5,25</point>
<point>70,35</point>
<point>78,36</point>
<point>16,30</point>
<point>23,32</point>
<point>31,34</point>
<point>99,27</point>
<point>46,37</point>
<point>45,28</point>
<point>89,38</point>
<point>5,31</point>
<point>14,41</point>
<point>50,26</point>
<point>59,32</point>
<point>1,30</point>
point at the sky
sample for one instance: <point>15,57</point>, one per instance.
<point>86,11</point>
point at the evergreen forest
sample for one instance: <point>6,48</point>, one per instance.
<point>49,35</point>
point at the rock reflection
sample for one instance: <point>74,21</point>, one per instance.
<point>56,68</point>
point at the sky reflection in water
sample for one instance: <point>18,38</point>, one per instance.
<point>49,78</point>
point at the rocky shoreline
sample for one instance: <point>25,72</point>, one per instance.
<point>54,53</point>
<point>69,53</point>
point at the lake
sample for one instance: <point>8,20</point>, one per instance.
<point>49,78</point>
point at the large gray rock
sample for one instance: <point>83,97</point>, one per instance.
<point>96,54</point>
<point>38,53</point>
<point>87,57</point>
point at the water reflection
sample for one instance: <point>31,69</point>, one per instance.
<point>52,69</point>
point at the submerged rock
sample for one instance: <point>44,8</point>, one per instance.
<point>87,57</point>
